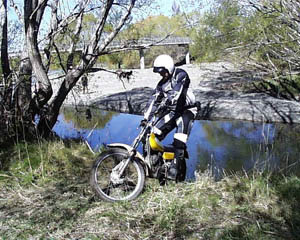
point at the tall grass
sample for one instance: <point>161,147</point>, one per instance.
<point>45,161</point>
<point>50,198</point>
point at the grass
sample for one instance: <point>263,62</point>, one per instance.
<point>44,194</point>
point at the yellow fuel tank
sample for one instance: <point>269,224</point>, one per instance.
<point>155,144</point>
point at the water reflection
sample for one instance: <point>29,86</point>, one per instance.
<point>220,146</point>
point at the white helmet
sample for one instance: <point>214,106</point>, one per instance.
<point>163,62</point>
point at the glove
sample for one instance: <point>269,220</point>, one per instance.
<point>143,123</point>
<point>163,105</point>
<point>166,102</point>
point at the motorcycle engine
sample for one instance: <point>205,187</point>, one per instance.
<point>156,162</point>
<point>154,158</point>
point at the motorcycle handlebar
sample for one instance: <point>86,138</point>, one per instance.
<point>197,105</point>
<point>144,122</point>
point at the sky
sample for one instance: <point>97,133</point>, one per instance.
<point>165,6</point>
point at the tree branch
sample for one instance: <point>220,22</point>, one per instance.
<point>15,7</point>
<point>75,40</point>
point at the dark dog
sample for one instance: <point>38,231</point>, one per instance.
<point>124,75</point>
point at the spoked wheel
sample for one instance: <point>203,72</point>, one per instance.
<point>106,182</point>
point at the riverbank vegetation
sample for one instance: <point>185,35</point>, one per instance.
<point>263,35</point>
<point>44,194</point>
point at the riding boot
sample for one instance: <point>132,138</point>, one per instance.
<point>175,172</point>
<point>180,164</point>
<point>172,171</point>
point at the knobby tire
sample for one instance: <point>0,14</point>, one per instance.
<point>133,177</point>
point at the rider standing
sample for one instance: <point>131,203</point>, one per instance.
<point>173,94</point>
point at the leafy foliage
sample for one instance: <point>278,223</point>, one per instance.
<point>278,48</point>
<point>224,26</point>
<point>262,33</point>
<point>152,27</point>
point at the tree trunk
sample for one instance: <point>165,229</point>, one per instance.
<point>49,118</point>
<point>4,49</point>
<point>33,13</point>
<point>22,91</point>
<point>32,23</point>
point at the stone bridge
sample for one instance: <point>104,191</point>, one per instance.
<point>134,44</point>
<point>145,43</point>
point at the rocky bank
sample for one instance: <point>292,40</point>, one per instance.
<point>216,85</point>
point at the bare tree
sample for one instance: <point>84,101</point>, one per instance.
<point>58,16</point>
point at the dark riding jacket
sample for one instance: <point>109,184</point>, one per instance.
<point>175,90</point>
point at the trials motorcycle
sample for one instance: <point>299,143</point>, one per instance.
<point>119,172</point>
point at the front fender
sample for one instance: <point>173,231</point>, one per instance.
<point>129,149</point>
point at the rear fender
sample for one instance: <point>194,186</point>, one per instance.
<point>129,149</point>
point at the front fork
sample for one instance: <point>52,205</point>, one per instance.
<point>118,170</point>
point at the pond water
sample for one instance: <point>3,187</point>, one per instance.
<point>222,147</point>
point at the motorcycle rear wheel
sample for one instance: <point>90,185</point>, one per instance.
<point>132,180</point>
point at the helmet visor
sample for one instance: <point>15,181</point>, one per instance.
<point>159,70</point>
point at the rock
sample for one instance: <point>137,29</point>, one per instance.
<point>215,105</point>
<point>133,101</point>
<point>216,86</point>
<point>257,107</point>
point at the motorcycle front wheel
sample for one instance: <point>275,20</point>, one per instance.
<point>128,187</point>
